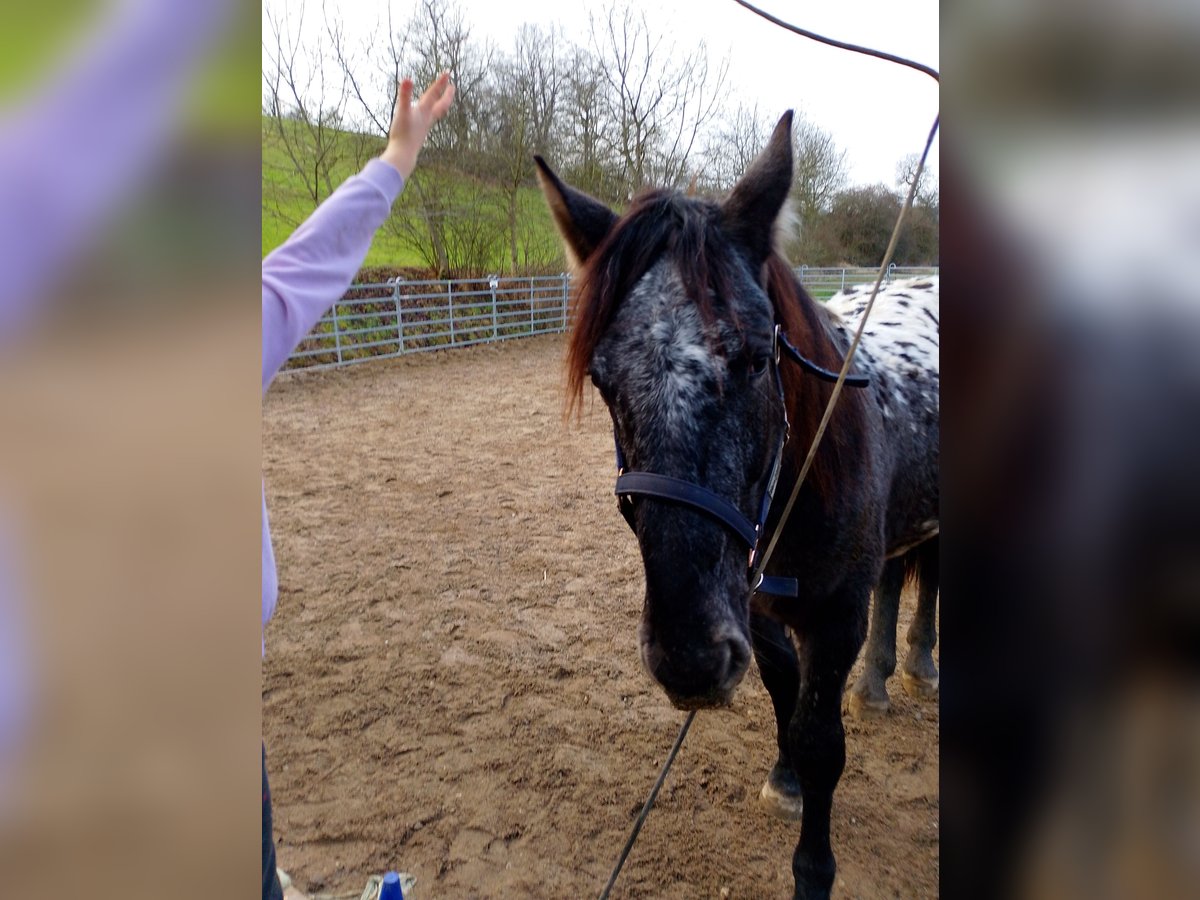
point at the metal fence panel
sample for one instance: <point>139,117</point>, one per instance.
<point>384,320</point>
<point>823,282</point>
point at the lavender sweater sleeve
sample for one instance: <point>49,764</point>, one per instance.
<point>305,277</point>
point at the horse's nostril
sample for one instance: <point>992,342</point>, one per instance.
<point>737,659</point>
<point>711,670</point>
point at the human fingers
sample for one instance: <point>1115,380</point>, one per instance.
<point>434,92</point>
<point>443,103</point>
<point>404,95</point>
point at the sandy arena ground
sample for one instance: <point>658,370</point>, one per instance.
<point>452,686</point>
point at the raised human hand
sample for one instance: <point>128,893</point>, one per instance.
<point>411,122</point>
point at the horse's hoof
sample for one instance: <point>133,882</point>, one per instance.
<point>863,706</point>
<point>780,794</point>
<point>923,687</point>
<point>781,805</point>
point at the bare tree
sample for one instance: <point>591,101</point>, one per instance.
<point>657,101</point>
<point>455,228</point>
<point>431,215</point>
<point>528,85</point>
<point>733,145</point>
<point>305,103</point>
<point>441,218</point>
<point>585,161</point>
<point>371,85</point>
<point>922,231</point>
<point>819,171</point>
<point>927,188</point>
<point>629,62</point>
<point>695,90</point>
<point>438,39</point>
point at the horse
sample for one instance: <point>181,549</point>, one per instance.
<point>919,674</point>
<point>715,366</point>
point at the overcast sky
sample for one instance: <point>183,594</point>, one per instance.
<point>878,112</point>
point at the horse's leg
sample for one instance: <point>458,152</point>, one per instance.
<point>869,694</point>
<point>919,674</point>
<point>780,671</point>
<point>817,740</point>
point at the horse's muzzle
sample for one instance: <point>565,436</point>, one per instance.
<point>700,676</point>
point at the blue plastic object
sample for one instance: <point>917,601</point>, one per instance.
<point>391,889</point>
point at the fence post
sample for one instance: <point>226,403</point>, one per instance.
<point>531,307</point>
<point>399,314</point>
<point>843,279</point>
<point>337,335</point>
<point>493,283</point>
<point>566,293</point>
<point>891,268</point>
<point>450,305</point>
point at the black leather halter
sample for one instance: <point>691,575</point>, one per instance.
<point>675,490</point>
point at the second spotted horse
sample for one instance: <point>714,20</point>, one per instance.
<point>682,310</point>
<point>900,348</point>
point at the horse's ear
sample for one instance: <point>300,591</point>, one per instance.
<point>582,221</point>
<point>750,211</point>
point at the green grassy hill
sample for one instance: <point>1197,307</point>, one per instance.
<point>286,202</point>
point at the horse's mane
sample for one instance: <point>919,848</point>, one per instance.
<point>689,231</point>
<point>807,396</point>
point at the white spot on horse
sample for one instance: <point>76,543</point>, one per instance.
<point>674,367</point>
<point>900,345</point>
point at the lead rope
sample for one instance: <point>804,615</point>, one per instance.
<point>862,324</point>
<point>648,805</point>
<point>829,407</point>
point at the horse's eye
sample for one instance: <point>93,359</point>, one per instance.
<point>600,386</point>
<point>758,366</point>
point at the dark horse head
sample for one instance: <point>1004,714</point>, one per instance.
<point>675,328</point>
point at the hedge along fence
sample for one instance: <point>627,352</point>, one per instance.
<point>378,321</point>
<point>375,321</point>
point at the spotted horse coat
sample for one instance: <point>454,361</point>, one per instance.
<point>899,351</point>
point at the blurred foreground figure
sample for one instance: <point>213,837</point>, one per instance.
<point>74,153</point>
<point>1071,703</point>
<point>77,150</point>
<point>80,147</point>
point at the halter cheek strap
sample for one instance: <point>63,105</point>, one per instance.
<point>858,381</point>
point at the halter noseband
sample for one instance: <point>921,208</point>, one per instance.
<point>686,493</point>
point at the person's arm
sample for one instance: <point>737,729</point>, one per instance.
<point>304,277</point>
<point>307,274</point>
